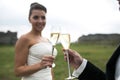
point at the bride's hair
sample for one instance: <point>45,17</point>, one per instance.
<point>36,6</point>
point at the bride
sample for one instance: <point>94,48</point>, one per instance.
<point>33,60</point>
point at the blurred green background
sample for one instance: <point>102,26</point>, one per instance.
<point>97,54</point>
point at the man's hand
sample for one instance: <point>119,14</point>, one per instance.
<point>74,58</point>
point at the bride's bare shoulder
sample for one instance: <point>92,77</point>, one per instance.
<point>24,39</point>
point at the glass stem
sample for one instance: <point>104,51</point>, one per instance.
<point>69,71</point>
<point>52,49</point>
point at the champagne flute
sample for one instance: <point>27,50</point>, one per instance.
<point>54,39</point>
<point>55,33</point>
<point>65,41</point>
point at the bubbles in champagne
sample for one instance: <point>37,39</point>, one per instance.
<point>54,38</point>
<point>65,40</point>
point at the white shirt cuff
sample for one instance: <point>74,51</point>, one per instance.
<point>80,69</point>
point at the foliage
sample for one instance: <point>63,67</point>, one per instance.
<point>108,39</point>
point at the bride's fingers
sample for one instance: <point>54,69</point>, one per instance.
<point>48,59</point>
<point>45,64</point>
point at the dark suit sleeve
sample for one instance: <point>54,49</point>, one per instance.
<point>111,65</point>
<point>91,72</point>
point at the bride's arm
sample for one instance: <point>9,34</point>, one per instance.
<point>21,54</point>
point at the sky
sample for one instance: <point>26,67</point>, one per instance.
<point>77,17</point>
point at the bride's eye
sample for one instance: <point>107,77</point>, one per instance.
<point>35,17</point>
<point>43,17</point>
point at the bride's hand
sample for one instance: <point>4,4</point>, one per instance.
<point>47,61</point>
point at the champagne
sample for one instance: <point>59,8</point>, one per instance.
<point>54,38</point>
<point>65,40</point>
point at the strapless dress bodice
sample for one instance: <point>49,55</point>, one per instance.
<point>36,52</point>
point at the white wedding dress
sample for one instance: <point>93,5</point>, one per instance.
<point>36,52</point>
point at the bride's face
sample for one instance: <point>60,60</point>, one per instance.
<point>38,19</point>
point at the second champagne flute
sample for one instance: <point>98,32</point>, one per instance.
<point>65,41</point>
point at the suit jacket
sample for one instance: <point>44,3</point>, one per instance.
<point>91,72</point>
